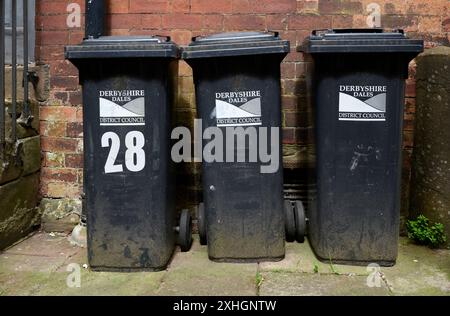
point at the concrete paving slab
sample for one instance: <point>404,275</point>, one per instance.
<point>23,263</point>
<point>44,244</point>
<point>192,273</point>
<point>300,258</point>
<point>306,284</point>
<point>419,271</point>
<point>38,266</point>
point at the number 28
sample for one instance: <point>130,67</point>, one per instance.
<point>134,155</point>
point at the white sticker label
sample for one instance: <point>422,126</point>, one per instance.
<point>362,103</point>
<point>242,108</point>
<point>126,107</point>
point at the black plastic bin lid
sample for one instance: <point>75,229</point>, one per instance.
<point>360,41</point>
<point>235,44</point>
<point>123,47</point>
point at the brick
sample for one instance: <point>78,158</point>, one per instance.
<point>179,6</point>
<point>408,139</point>
<point>63,68</point>
<point>74,160</point>
<point>429,24</point>
<point>289,102</point>
<point>288,135</point>
<point>301,69</point>
<point>151,21</point>
<point>410,90</point>
<point>309,22</point>
<point>149,6</point>
<point>59,144</point>
<point>59,174</point>
<point>117,6</point>
<point>75,37</point>
<point>410,105</point>
<point>208,6</point>
<point>49,53</point>
<point>53,37</point>
<point>245,22</point>
<point>74,130</point>
<point>340,7</point>
<point>54,160</point>
<point>60,190</point>
<point>182,21</point>
<point>51,22</point>
<point>435,7</point>
<point>50,7</point>
<point>290,36</point>
<point>288,70</point>
<point>291,119</point>
<point>264,6</point>
<point>65,82</point>
<point>58,113</point>
<point>51,128</point>
<point>181,37</point>
<point>62,96</point>
<point>407,22</point>
<point>342,21</point>
<point>276,22</point>
<point>124,21</point>
<point>120,32</point>
<point>297,119</point>
<point>308,6</point>
<point>213,22</point>
<point>75,98</point>
<point>446,25</point>
<point>79,114</point>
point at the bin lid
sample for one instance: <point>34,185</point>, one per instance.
<point>373,40</point>
<point>235,44</point>
<point>123,47</point>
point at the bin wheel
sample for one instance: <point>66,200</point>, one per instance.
<point>289,221</point>
<point>300,221</point>
<point>185,231</point>
<point>201,223</point>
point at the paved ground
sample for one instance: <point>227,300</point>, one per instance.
<point>38,266</point>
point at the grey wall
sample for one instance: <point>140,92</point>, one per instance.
<point>31,30</point>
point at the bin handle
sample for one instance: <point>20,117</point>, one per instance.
<point>275,34</point>
<point>357,30</point>
<point>168,38</point>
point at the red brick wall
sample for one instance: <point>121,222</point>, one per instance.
<point>61,115</point>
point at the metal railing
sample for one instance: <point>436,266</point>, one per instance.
<point>25,117</point>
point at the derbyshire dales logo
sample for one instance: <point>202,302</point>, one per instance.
<point>242,108</point>
<point>362,103</point>
<point>126,107</point>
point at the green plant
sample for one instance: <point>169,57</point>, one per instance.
<point>333,269</point>
<point>316,268</point>
<point>259,280</point>
<point>422,232</point>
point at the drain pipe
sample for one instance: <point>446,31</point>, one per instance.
<point>95,18</point>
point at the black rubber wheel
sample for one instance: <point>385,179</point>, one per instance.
<point>201,223</point>
<point>185,231</point>
<point>289,221</point>
<point>300,221</point>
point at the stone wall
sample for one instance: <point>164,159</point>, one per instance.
<point>20,163</point>
<point>61,114</point>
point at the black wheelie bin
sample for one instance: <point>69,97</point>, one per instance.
<point>128,88</point>
<point>359,82</point>
<point>237,85</point>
